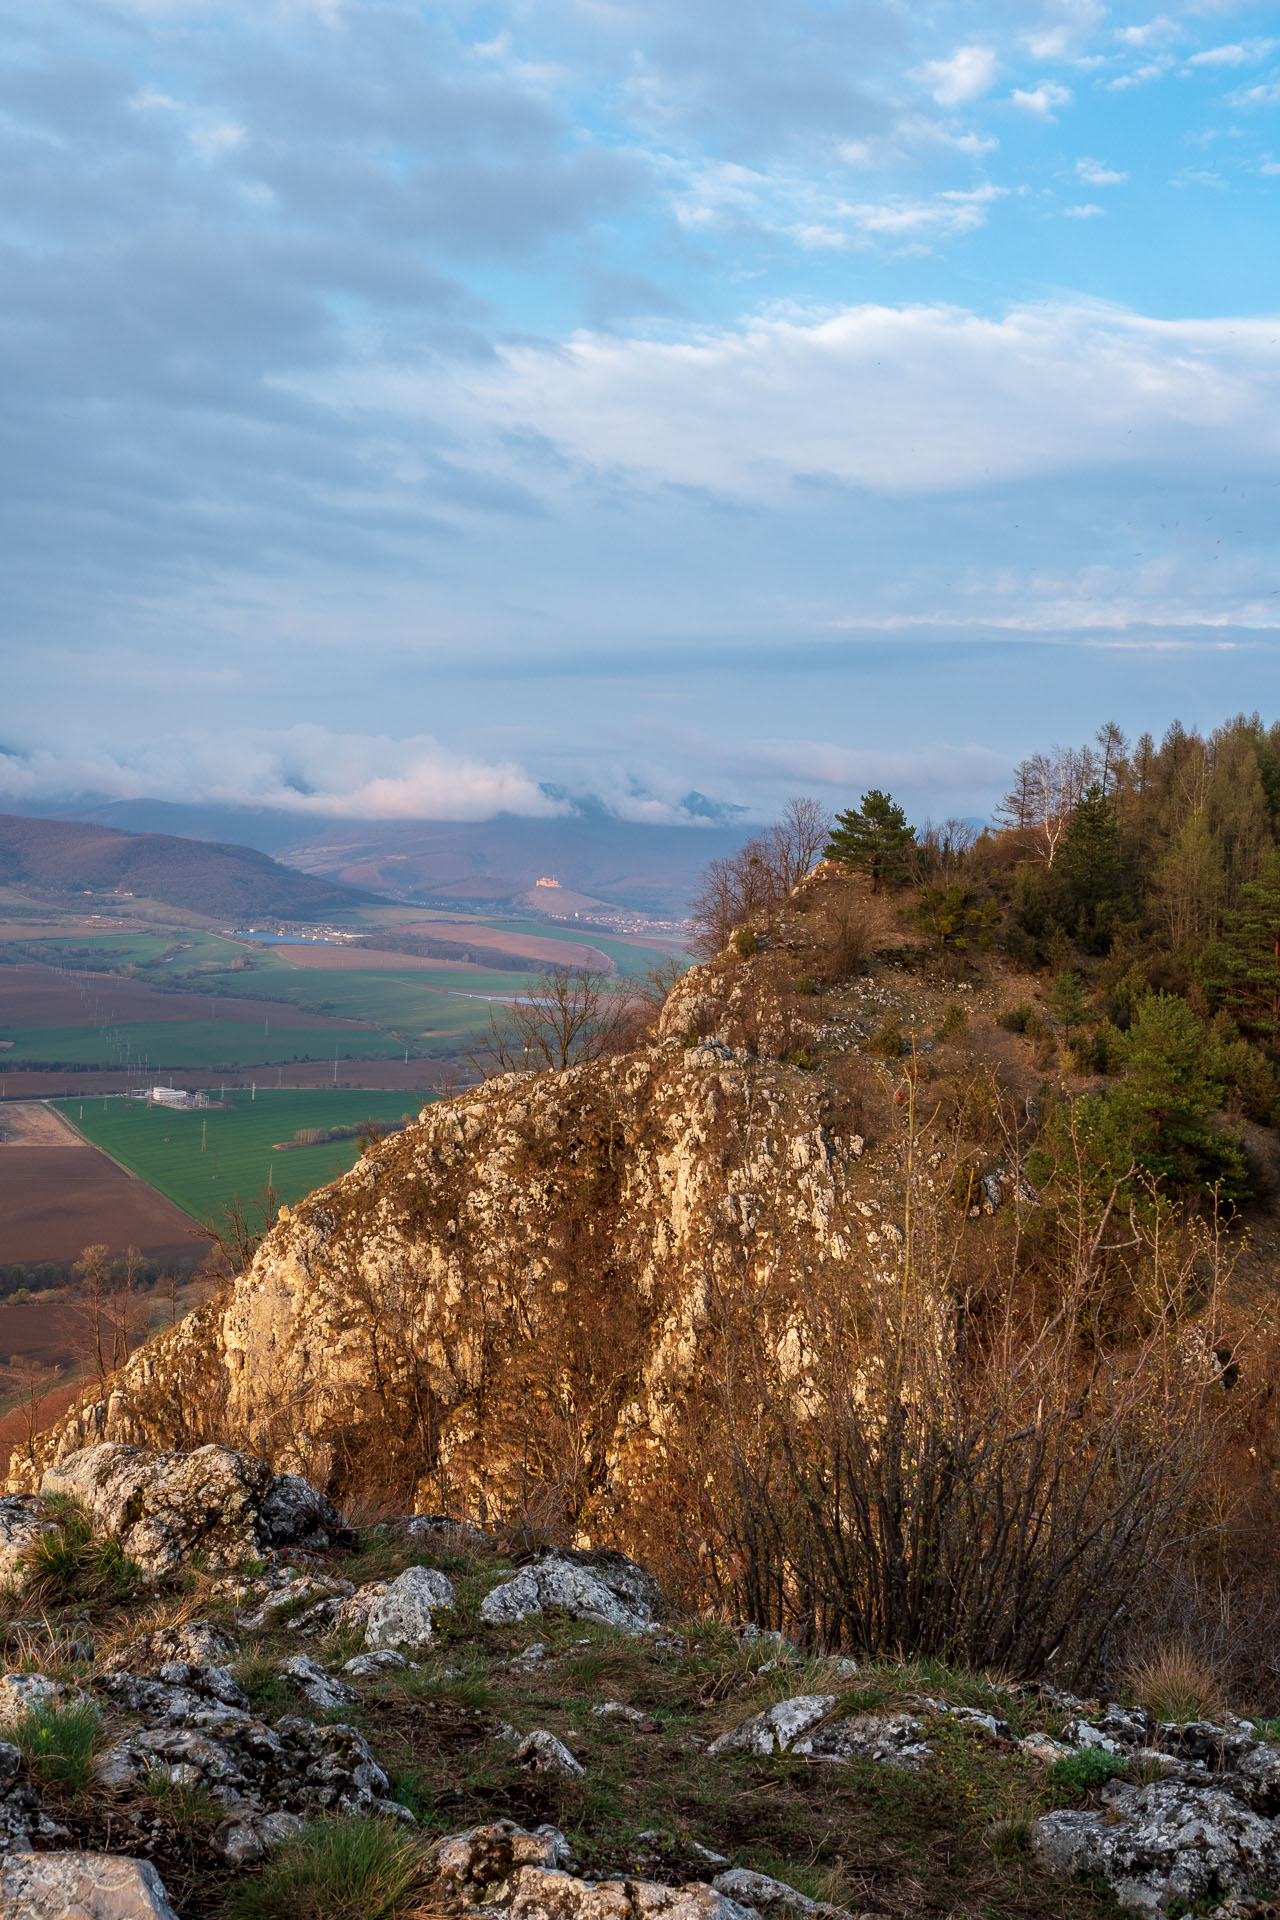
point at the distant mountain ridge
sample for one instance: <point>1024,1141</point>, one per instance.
<point>466,863</point>
<point>67,857</point>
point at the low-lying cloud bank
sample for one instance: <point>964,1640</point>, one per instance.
<point>304,770</point>
<point>309,771</point>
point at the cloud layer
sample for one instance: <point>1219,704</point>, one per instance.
<point>377,379</point>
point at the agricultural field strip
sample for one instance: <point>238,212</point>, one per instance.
<point>156,1046</point>
<point>163,1146</point>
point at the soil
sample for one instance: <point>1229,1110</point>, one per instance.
<point>55,1200</point>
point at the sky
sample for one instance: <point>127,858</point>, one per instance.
<point>426,410</point>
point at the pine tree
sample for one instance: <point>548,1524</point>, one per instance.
<point>1092,869</point>
<point>1163,1109</point>
<point>874,838</point>
<point>1251,954</point>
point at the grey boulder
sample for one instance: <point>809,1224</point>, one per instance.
<point>81,1886</point>
<point>22,1521</point>
<point>403,1615</point>
<point>777,1728</point>
<point>604,1587</point>
<point>1168,1841</point>
<point>165,1507</point>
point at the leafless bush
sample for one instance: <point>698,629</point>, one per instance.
<point>566,1018</point>
<point>944,1460</point>
<point>742,888</point>
<point>943,852</point>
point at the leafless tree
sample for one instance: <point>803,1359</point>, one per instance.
<point>795,840</point>
<point>743,886</point>
<point>941,852</point>
<point>1046,791</point>
<point>33,1379</point>
<point>564,1019</point>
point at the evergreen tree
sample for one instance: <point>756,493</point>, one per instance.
<point>1251,954</point>
<point>873,838</point>
<point>1162,1111</point>
<point>1092,870</point>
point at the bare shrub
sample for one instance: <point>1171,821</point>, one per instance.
<point>741,889</point>
<point>566,1018</point>
<point>951,1461</point>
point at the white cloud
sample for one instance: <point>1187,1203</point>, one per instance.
<point>943,213</point>
<point>1086,212</point>
<point>303,769</point>
<point>904,400</point>
<point>1239,53</point>
<point>1148,32</point>
<point>1095,174</point>
<point>969,73</point>
<point>1063,27</point>
<point>1043,99</point>
<point>1140,76</point>
<point>1263,96</point>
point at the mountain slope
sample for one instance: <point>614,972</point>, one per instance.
<point>54,858</point>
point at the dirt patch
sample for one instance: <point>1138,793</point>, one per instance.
<point>56,1200</point>
<point>29,1123</point>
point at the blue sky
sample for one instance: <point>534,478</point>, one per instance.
<point>410,406</point>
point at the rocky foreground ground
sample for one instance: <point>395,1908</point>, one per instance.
<point>220,1700</point>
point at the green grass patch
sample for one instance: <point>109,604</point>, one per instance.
<point>68,1562</point>
<point>1079,1773</point>
<point>201,1160</point>
<point>60,1742</point>
<point>338,1869</point>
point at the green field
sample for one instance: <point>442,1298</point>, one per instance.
<point>237,1158</point>
<point>156,1045</point>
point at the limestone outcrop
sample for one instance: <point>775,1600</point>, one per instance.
<point>522,1274</point>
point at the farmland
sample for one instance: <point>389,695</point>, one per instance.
<point>58,1196</point>
<point>152,1047</point>
<point>203,1160</point>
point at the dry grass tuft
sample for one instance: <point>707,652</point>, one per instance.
<point>1176,1685</point>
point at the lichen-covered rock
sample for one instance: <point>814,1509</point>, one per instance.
<point>1256,1779</point>
<point>481,1863</point>
<point>776,1729</point>
<point>606,1588</point>
<point>1157,1844</point>
<point>773,1898</point>
<point>18,1691</point>
<point>402,1615</point>
<point>891,1738</point>
<point>320,1688</point>
<point>164,1507</point>
<point>541,1893</point>
<point>368,1666</point>
<point>544,1753</point>
<point>23,1821</point>
<point>503,1868</point>
<point>81,1886</point>
<point>22,1521</point>
<point>195,1643</point>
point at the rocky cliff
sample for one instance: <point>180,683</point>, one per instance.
<point>509,1296</point>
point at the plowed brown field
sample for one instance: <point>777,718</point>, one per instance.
<point>59,1195</point>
